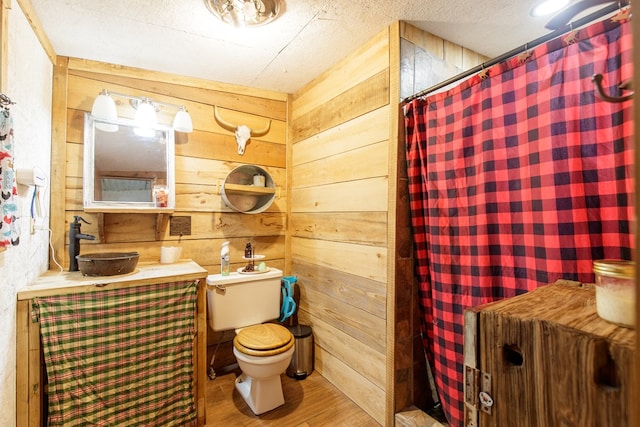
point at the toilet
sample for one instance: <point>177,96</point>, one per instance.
<point>263,350</point>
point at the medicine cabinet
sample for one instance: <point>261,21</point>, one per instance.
<point>127,168</point>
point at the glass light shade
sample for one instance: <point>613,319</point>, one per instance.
<point>547,7</point>
<point>241,13</point>
<point>104,107</point>
<point>146,114</point>
<point>145,118</point>
<point>182,121</point>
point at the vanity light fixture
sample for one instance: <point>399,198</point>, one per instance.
<point>104,107</point>
<point>245,13</point>
<point>547,7</point>
<point>182,121</point>
<point>146,117</point>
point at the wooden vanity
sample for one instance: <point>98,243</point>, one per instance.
<point>31,389</point>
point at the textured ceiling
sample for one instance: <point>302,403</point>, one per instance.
<point>183,37</point>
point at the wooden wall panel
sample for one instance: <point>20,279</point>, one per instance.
<point>429,42</point>
<point>203,144</point>
<point>358,356</point>
<point>83,90</point>
<point>345,166</point>
<point>115,71</point>
<point>366,195</point>
<point>455,55</point>
<point>356,133</point>
<point>361,260</point>
<point>348,227</point>
<point>368,329</point>
<point>366,96</point>
<point>252,104</point>
<point>397,373</point>
<point>122,227</point>
<point>345,75</point>
<point>338,220</point>
<point>359,388</point>
<point>202,163</point>
<point>197,170</point>
<point>211,145</point>
<point>363,293</point>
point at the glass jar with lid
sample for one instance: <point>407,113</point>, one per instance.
<point>616,291</point>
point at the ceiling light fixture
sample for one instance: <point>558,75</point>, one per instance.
<point>104,107</point>
<point>245,13</point>
<point>547,7</point>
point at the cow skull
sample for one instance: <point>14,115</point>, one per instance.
<point>243,132</point>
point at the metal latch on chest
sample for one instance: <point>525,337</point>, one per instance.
<point>477,389</point>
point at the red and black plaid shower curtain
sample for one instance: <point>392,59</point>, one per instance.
<point>518,177</point>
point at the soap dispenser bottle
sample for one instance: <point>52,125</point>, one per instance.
<point>224,259</point>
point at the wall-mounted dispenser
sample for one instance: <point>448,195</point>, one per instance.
<point>31,176</point>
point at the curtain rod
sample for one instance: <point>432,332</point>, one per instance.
<point>560,31</point>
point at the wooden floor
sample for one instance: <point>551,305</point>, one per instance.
<point>311,402</point>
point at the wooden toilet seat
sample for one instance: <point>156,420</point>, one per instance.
<point>263,340</point>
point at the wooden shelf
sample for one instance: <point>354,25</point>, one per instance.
<point>162,218</point>
<point>128,209</point>
<point>248,190</point>
<point>239,193</point>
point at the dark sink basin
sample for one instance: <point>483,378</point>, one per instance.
<point>108,263</point>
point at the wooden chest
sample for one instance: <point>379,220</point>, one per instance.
<point>545,358</point>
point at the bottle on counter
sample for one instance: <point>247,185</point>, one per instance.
<point>248,254</point>
<point>224,259</point>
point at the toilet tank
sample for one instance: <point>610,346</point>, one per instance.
<point>240,300</point>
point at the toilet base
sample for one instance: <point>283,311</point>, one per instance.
<point>262,395</point>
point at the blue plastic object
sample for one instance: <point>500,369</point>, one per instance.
<point>288,304</point>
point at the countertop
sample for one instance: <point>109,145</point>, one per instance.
<point>57,283</point>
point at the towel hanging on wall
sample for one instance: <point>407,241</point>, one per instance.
<point>9,230</point>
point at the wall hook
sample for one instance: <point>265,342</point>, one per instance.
<point>597,81</point>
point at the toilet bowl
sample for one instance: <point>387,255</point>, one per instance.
<point>263,350</point>
<point>263,353</point>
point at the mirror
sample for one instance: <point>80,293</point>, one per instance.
<point>127,168</point>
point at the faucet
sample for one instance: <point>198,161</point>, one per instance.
<point>74,241</point>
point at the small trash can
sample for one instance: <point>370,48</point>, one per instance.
<point>302,360</point>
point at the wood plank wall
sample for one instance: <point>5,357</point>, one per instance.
<point>340,171</point>
<point>350,233</point>
<point>453,54</point>
<point>339,207</point>
<point>201,165</point>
